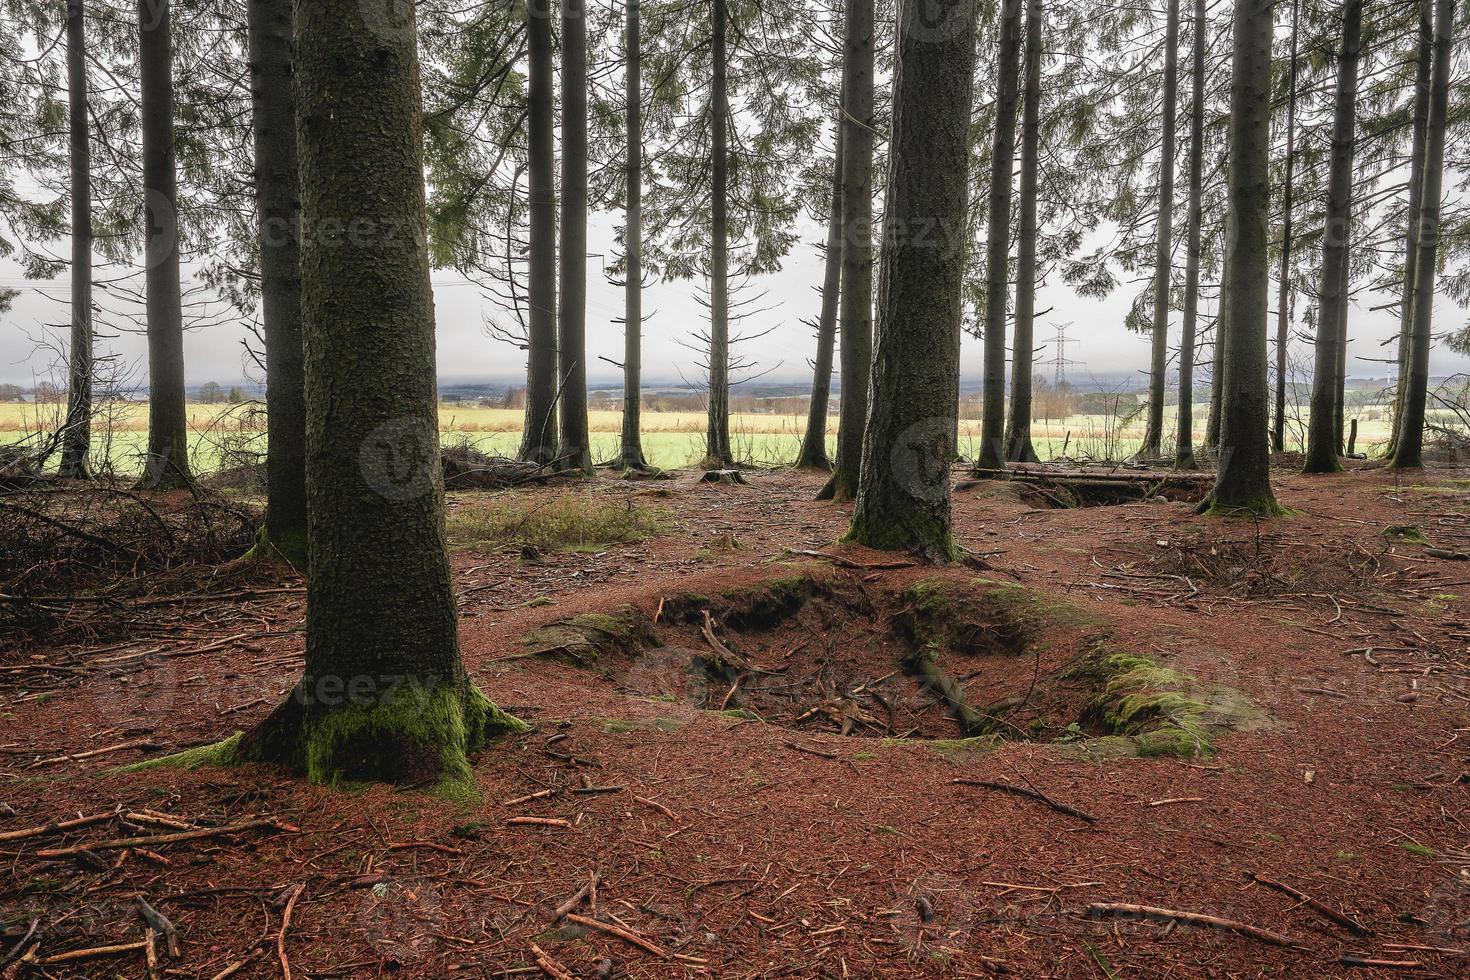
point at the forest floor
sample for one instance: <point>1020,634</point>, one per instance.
<point>1266,724</point>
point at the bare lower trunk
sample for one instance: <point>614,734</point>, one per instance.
<point>1018,429</point>
<point>1423,67</point>
<point>76,441</point>
<point>1323,433</point>
<point>278,207</point>
<point>1283,293</point>
<point>1218,355</point>
<point>1184,431</point>
<point>1244,482</point>
<point>384,695</point>
<point>575,452</point>
<point>538,442</point>
<point>166,466</point>
<point>998,239</point>
<point>717,434</point>
<point>856,315</point>
<point>813,452</point>
<point>630,453</point>
<point>1410,450</point>
<point>904,496</point>
<point>1153,432</point>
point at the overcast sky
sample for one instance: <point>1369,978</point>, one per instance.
<point>1097,337</point>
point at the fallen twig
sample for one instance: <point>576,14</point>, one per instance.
<point>1060,807</point>
<point>1347,922</point>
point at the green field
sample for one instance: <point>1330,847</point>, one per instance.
<point>670,439</point>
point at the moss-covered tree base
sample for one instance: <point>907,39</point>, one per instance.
<point>841,487</point>
<point>1253,508</point>
<point>417,736</point>
<point>289,549</point>
<point>930,542</point>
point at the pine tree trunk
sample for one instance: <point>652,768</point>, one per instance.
<point>813,452</point>
<point>1244,482</point>
<point>856,316</point>
<point>1184,430</point>
<point>904,495</point>
<point>76,442</point>
<point>998,243</point>
<point>630,455</point>
<point>166,466</point>
<point>384,695</point>
<point>1323,440</point>
<point>576,450</point>
<point>1424,65</point>
<point>1018,430</point>
<point>717,433</point>
<point>1339,393</point>
<point>1153,432</point>
<point>1410,450</point>
<point>538,442</point>
<point>1217,357</point>
<point>278,205</point>
<point>1283,293</point>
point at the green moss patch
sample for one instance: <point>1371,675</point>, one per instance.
<point>982,615</point>
<point>1162,711</point>
<point>583,640</point>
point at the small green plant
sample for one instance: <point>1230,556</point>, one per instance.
<point>563,523</point>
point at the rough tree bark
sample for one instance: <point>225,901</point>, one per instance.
<point>278,206</point>
<point>856,314</point>
<point>538,442</point>
<point>1424,65</point>
<point>1217,357</point>
<point>1322,424</point>
<point>1283,279</point>
<point>998,239</point>
<point>1184,427</point>
<point>1410,450</point>
<point>904,495</point>
<point>813,454</point>
<point>1244,482</point>
<point>166,466</point>
<point>630,453</point>
<point>1018,430</point>
<point>384,695</point>
<point>1153,432</point>
<point>717,432</point>
<point>76,440</point>
<point>576,450</point>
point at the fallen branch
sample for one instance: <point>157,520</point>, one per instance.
<point>538,822</point>
<point>20,947</point>
<point>1350,924</point>
<point>120,843</point>
<point>848,562</point>
<point>295,893</point>
<point>1126,910</point>
<point>549,966</point>
<point>1056,805</point>
<point>94,952</point>
<point>584,893</point>
<point>137,743</point>
<point>55,827</point>
<point>1347,959</point>
<point>623,934</point>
